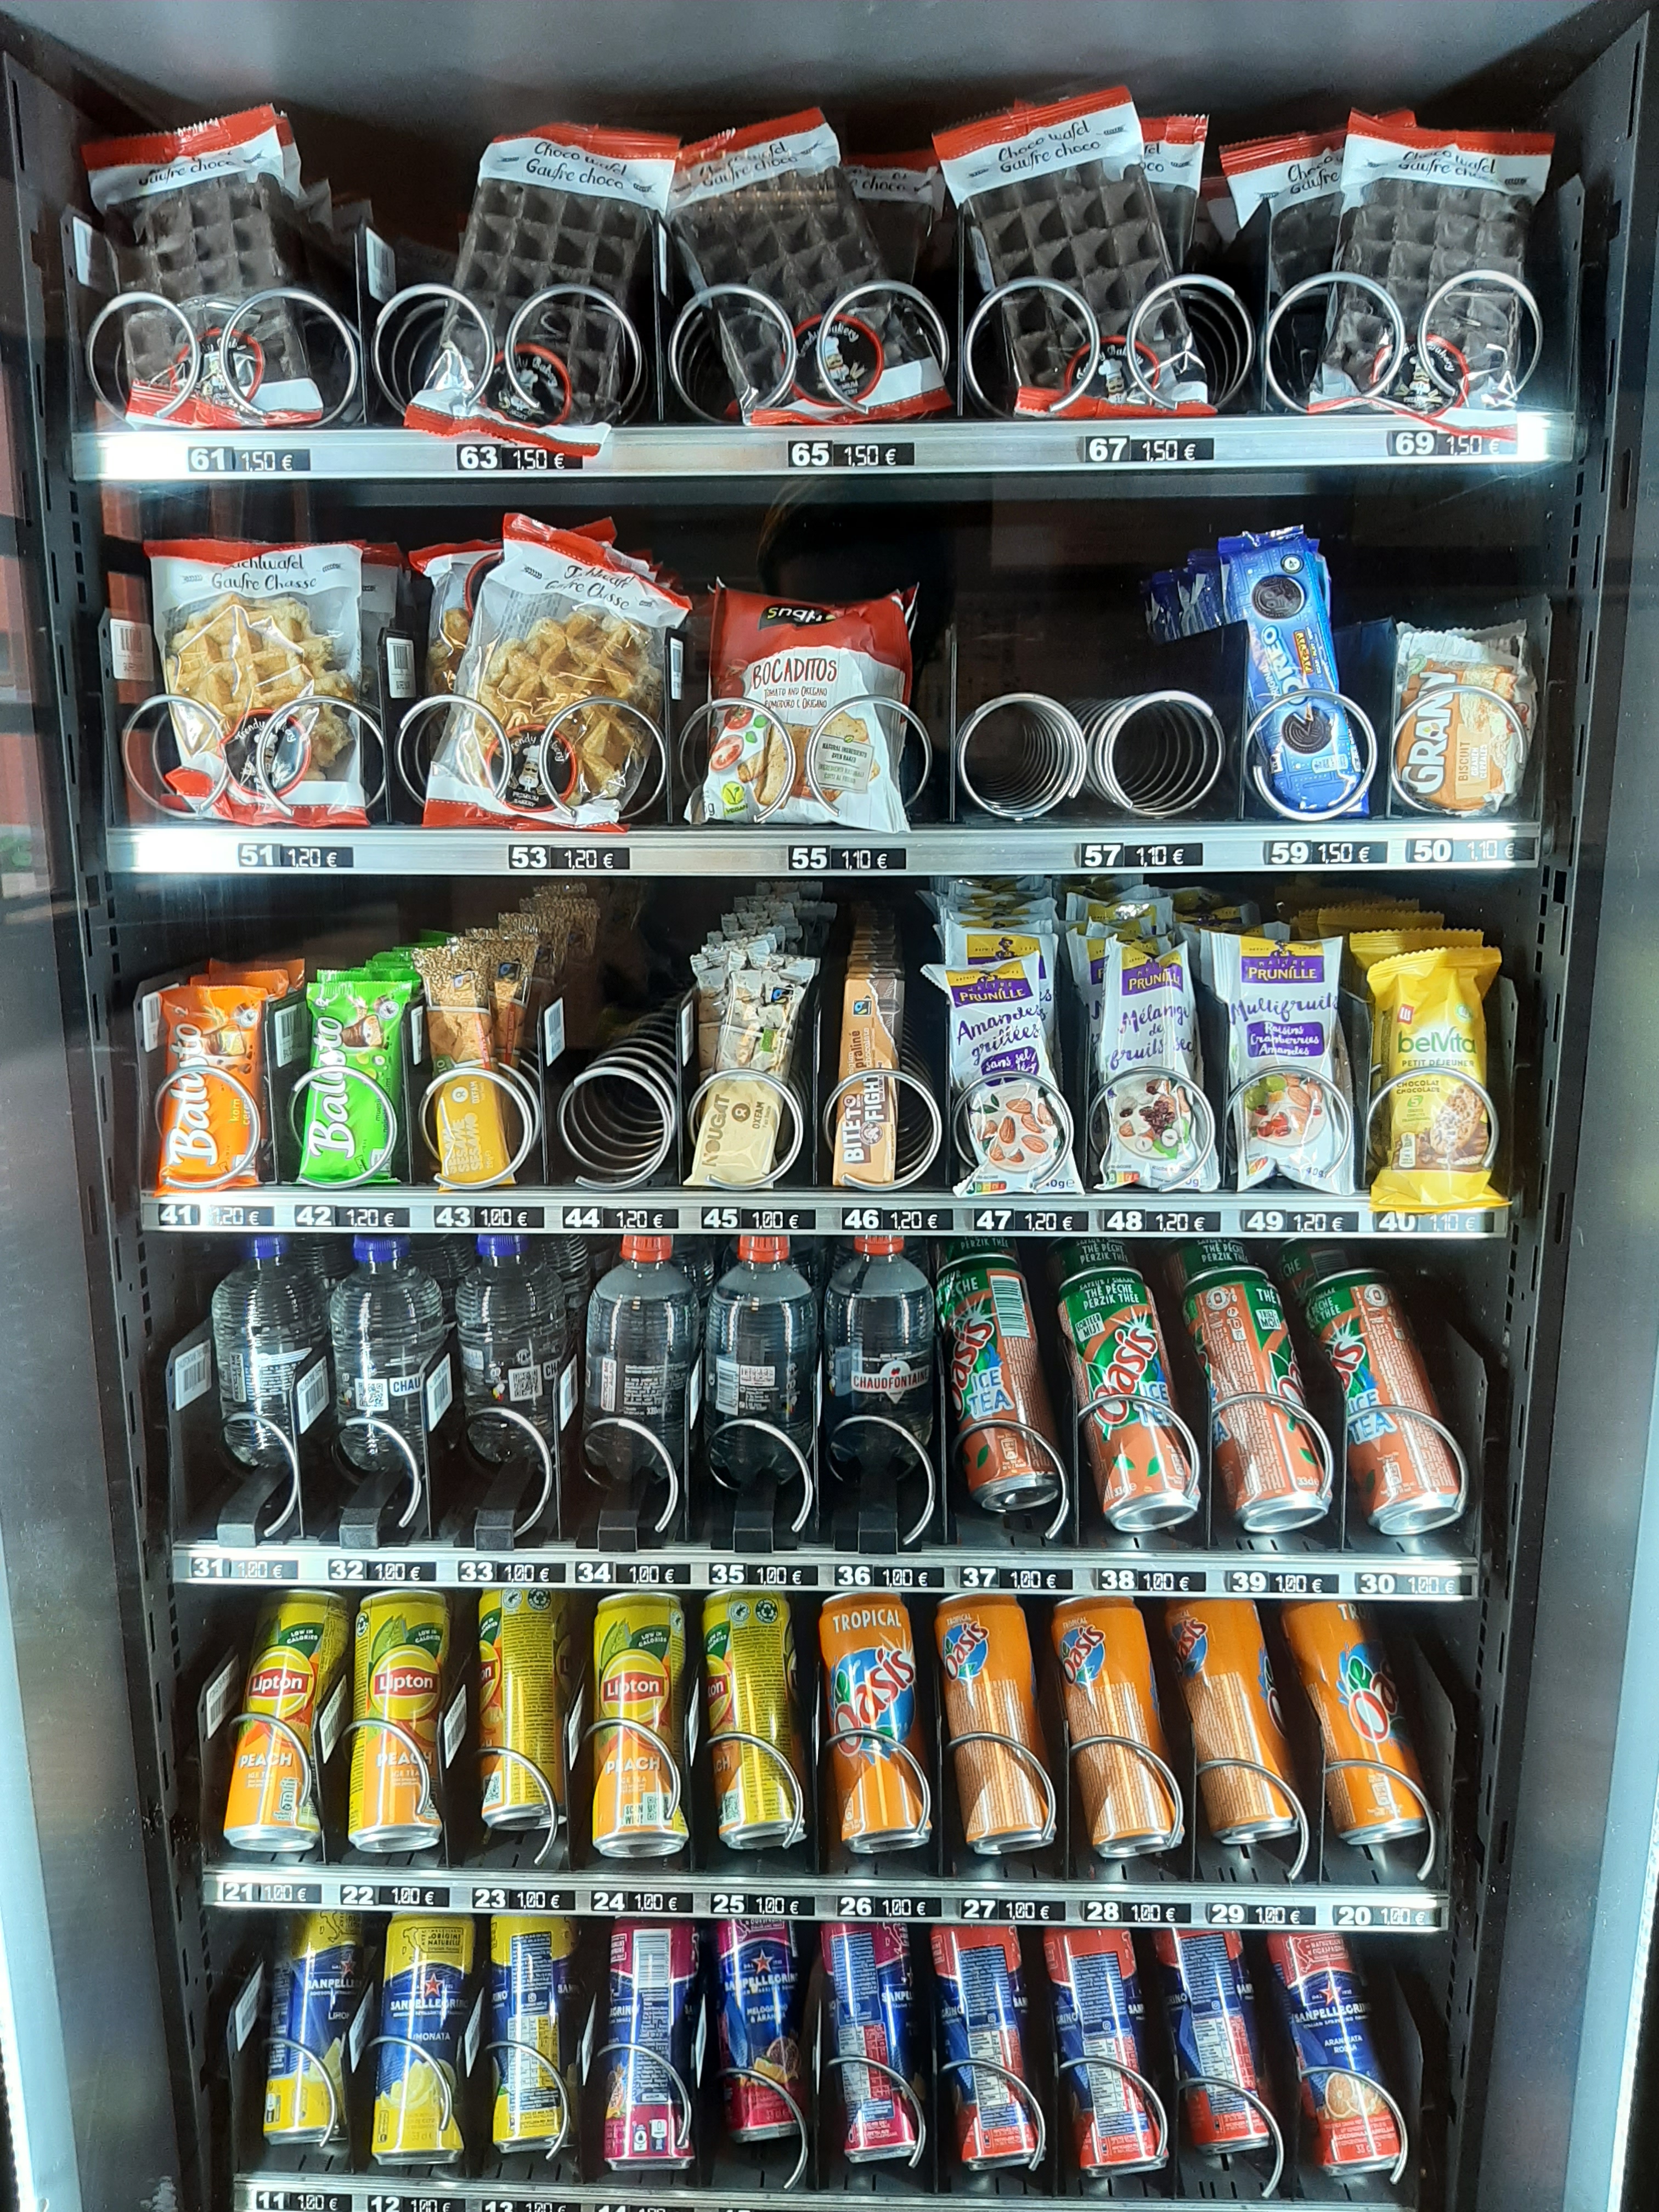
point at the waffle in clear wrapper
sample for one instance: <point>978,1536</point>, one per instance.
<point>770,207</point>
<point>1419,207</point>
<point>564,204</point>
<point>206,216</point>
<point>1172,156</point>
<point>1061,192</point>
<point>902,196</point>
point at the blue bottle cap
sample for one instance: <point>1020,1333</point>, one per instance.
<point>499,1248</point>
<point>379,1248</point>
<point>266,1248</point>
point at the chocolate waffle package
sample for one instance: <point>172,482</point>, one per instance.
<point>205,217</point>
<point>261,638</point>
<point>565,205</point>
<point>1062,192</point>
<point>1153,1133</point>
<point>802,662</point>
<point>563,618</point>
<point>1287,1065</point>
<point>1463,718</point>
<point>1419,209</point>
<point>1172,155</point>
<point>770,207</point>
<point>454,573</point>
<point>902,197</point>
<point>1307,753</point>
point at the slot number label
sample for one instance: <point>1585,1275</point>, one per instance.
<point>370,1567</point>
<point>1385,1916</point>
<point>1488,852</point>
<point>875,1574</point>
<point>761,1574</point>
<point>1030,1579</point>
<point>1448,445</point>
<point>401,1896</point>
<point>608,860</point>
<point>674,1902</point>
<point>849,453</point>
<point>1108,855</point>
<point>625,1217</point>
<point>764,1221</point>
<point>1110,450</point>
<point>897,1904</point>
<point>1157,1221</point>
<point>248,461</point>
<point>269,1892</point>
<point>1152,1582</point>
<point>1279,1581</point>
<point>255,854</point>
<point>1035,1910</point>
<point>848,860</point>
<point>1324,852</point>
<point>175,1213</point>
<point>474,458</point>
<point>1396,1584</point>
<point>488,1217</point>
<point>762,1905</point>
<point>1121,1912</point>
<point>1296,1221</point>
<point>1222,1913</point>
<point>205,1568</point>
<point>1026,1221</point>
<point>902,1220</point>
<point>1432,1224</point>
<point>496,1898</point>
<point>632,1574</point>
<point>301,2200</point>
<point>540,1573</point>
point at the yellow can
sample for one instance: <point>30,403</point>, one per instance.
<point>315,1995</point>
<point>532,1985</point>
<point>402,1641</point>
<point>524,1688</point>
<point>423,1996</point>
<point>639,1676</point>
<point>299,1648</point>
<point>749,1651</point>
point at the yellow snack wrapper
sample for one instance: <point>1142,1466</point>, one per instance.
<point>471,1132</point>
<point>1434,1130</point>
<point>1365,947</point>
<point>738,1135</point>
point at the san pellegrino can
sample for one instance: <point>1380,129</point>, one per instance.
<point>533,1996</point>
<point>1329,2021</point>
<point>869,2000</point>
<point>299,1650</point>
<point>423,1991</point>
<point>315,1992</point>
<point>1211,2004</point>
<point>402,1644</point>
<point>980,1997</point>
<point>761,1995</point>
<point>1098,2015</point>
<point>654,1984</point>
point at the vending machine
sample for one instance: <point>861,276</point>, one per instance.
<point>826,1090</point>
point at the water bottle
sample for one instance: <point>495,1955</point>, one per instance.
<point>270,1323</point>
<point>761,1346</point>
<point>696,1255</point>
<point>807,1254</point>
<point>878,1355</point>
<point>326,1259</point>
<point>642,1362</point>
<point>386,1320</point>
<point>446,1259</point>
<point>510,1323</point>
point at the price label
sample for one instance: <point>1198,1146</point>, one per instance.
<point>1324,852</point>
<point>175,1213</point>
<point>766,1220</point>
<point>242,1217</point>
<point>1131,1912</point>
<point>762,1905</point>
<point>1395,1582</point>
<point>633,1574</point>
<point>904,1220</point>
<point>371,1217</point>
<point>1279,1581</point>
<point>761,1574</point>
<point>628,1218</point>
<point>488,1217</point>
<point>248,461</point>
<point>893,1905</point>
<point>400,1896</point>
<point>846,859</point>
<point>1042,1911</point>
<point>301,2200</point>
<point>1232,1912</point>
<point>476,458</point>
<point>1032,1221</point>
<point>207,1567</point>
<point>1108,853</point>
<point>1469,852</point>
<point>508,1896</point>
<point>674,1903</point>
<point>540,1574</point>
<point>374,1567</point>
<point>1152,1582</point>
<point>1034,1580</point>
<point>231,1890</point>
<point>851,453</point>
<point>1432,1224</point>
<point>609,858</point>
<point>1297,1221</point>
<point>1158,1221</point>
<point>1109,449</point>
<point>1386,1916</point>
<point>1449,445</point>
<point>887,1575</point>
<point>255,853</point>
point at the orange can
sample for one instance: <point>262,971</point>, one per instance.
<point>869,1690</point>
<point>1345,1674</point>
<point>1106,1677</point>
<point>1228,1685</point>
<point>990,1690</point>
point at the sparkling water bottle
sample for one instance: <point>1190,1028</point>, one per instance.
<point>642,1362</point>
<point>575,1266</point>
<point>696,1255</point>
<point>510,1322</point>
<point>386,1320</point>
<point>878,1355</point>
<point>269,1324</point>
<point>762,1356</point>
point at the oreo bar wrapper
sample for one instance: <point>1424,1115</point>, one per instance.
<point>1286,1062</point>
<point>1306,749</point>
<point>357,1052</point>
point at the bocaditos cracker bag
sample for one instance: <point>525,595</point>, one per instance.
<point>1429,1027</point>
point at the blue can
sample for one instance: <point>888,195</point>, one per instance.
<point>314,1996</point>
<point>761,1996</point>
<point>1098,2015</point>
<point>982,2015</point>
<point>1329,2021</point>
<point>654,1984</point>
<point>868,1966</point>
<point>1211,2008</point>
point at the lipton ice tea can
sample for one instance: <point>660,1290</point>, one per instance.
<point>1270,1462</point>
<point>423,1989</point>
<point>990,1690</point>
<point>1403,1469</point>
<point>315,1995</point>
<point>639,1675</point>
<point>749,1655</point>
<point>1228,1684</point>
<point>995,1376</point>
<point>869,1660</point>
<point>1106,1679</point>
<point>1114,1348</point>
<point>524,1668</point>
<point>299,1648</point>
<point>1346,1674</point>
<point>402,1643</point>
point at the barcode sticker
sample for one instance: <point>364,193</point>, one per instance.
<point>567,1393</point>
<point>132,652</point>
<point>702,2038</point>
<point>150,1019</point>
<point>93,258</point>
<point>1008,1304</point>
<point>328,1721</point>
<point>573,1734</point>
<point>247,2005</point>
<point>676,667</point>
<point>310,1395</point>
<point>552,1033</point>
<point>400,667</point>
<point>693,1393</point>
<point>455,1725</point>
<point>215,1702</point>
<point>284,1033</point>
<point>440,1390</point>
<point>687,1034</point>
<point>360,2024</point>
<point>474,2027</point>
<point>192,1376</point>
<point>382,265</point>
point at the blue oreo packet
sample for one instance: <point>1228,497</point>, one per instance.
<point>1275,583</point>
